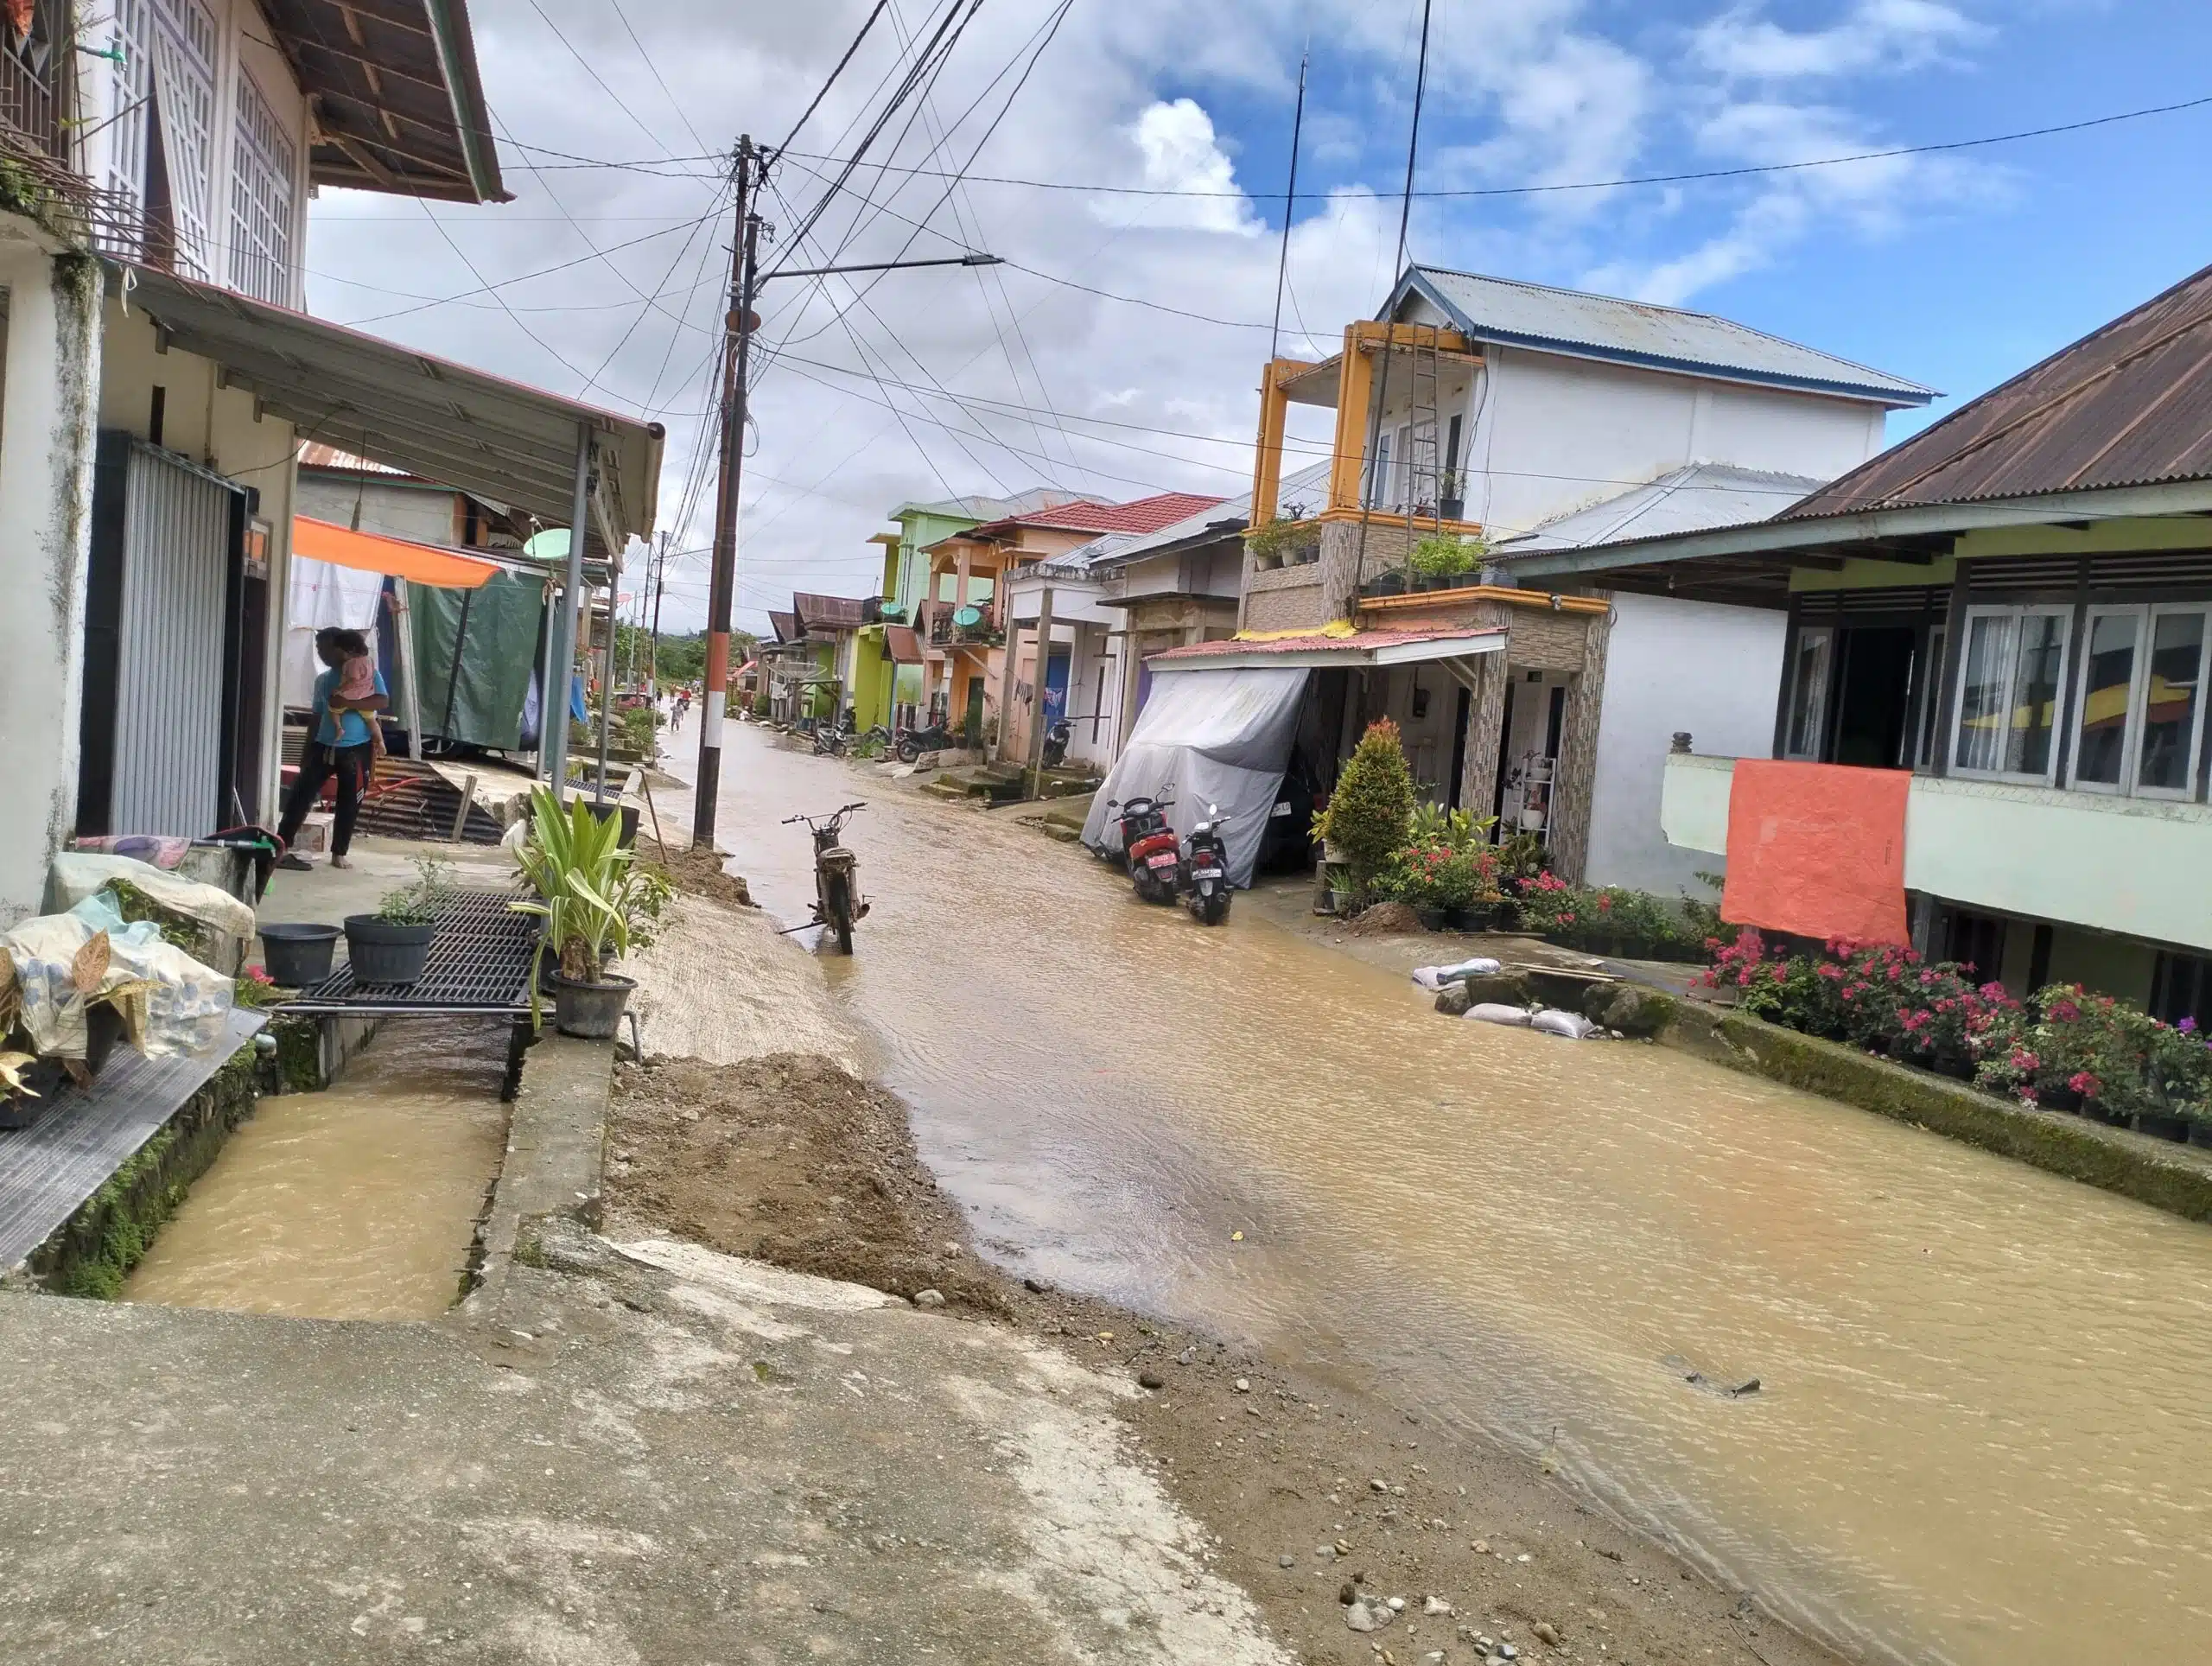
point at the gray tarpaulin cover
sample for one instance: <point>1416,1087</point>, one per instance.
<point>1208,737</point>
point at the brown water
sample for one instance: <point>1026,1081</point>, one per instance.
<point>357,1202</point>
<point>1986,1429</point>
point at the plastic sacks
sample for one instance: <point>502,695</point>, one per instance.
<point>78,875</point>
<point>1496,1011</point>
<point>187,1007</point>
<point>1573,1026</point>
<point>1433,978</point>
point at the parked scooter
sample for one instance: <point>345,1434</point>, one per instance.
<point>837,901</point>
<point>1148,847</point>
<point>831,740</point>
<point>932,737</point>
<point>1204,874</point>
<point>1057,733</point>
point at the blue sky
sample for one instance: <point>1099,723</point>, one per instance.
<point>1956,270</point>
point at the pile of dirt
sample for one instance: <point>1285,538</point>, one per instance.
<point>699,871</point>
<point>1386,919</point>
<point>791,1160</point>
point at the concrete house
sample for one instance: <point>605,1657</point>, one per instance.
<point>1496,415</point>
<point>159,384</point>
<point>1987,725</point>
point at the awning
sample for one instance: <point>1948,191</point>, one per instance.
<point>370,552</point>
<point>906,647</point>
<point>1319,650</point>
<point>489,437</point>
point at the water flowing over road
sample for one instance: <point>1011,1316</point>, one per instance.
<point>1986,1429</point>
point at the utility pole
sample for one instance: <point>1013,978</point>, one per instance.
<point>660,580</point>
<point>745,249</point>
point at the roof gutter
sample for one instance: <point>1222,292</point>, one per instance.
<point>456,47</point>
<point>1867,525</point>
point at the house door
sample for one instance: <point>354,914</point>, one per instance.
<point>1873,697</point>
<point>974,727</point>
<point>1056,685</point>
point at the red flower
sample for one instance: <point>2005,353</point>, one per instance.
<point>2084,1084</point>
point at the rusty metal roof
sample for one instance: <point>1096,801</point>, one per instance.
<point>2129,405</point>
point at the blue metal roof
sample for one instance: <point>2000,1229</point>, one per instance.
<point>1513,314</point>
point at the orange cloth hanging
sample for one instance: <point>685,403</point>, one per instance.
<point>372,552</point>
<point>1817,849</point>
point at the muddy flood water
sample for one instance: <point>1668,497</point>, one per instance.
<point>1984,1433</point>
<point>356,1202</point>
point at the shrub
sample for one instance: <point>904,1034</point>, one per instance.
<point>1442,556</point>
<point>1368,813</point>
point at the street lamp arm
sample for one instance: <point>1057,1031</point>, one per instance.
<point>881,266</point>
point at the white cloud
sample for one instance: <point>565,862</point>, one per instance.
<point>1874,34</point>
<point>1181,153</point>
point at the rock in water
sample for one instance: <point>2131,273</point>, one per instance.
<point>1452,1000</point>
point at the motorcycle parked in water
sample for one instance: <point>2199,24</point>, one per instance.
<point>837,901</point>
<point>1204,874</point>
<point>1149,847</point>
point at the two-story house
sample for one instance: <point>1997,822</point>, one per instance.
<point>159,383</point>
<point>1987,727</point>
<point>1474,412</point>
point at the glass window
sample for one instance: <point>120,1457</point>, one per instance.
<point>2108,694</point>
<point>2173,701</point>
<point>1808,693</point>
<point>2008,692</point>
<point>1931,705</point>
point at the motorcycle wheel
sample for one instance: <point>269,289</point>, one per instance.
<point>837,910</point>
<point>908,750</point>
<point>1214,909</point>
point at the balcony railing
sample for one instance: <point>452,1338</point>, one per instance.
<point>943,633</point>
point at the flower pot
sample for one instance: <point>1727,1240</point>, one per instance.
<point>591,1010</point>
<point>1390,584</point>
<point>1451,509</point>
<point>2093,1109</point>
<point>1432,919</point>
<point>383,953</point>
<point>2160,1126</point>
<point>2200,1132</point>
<point>297,957</point>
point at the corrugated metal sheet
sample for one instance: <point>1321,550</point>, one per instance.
<point>2130,405</point>
<point>1635,332</point>
<point>1682,500</point>
<point>169,717</point>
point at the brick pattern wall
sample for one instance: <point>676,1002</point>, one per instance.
<point>1574,782</point>
<point>1289,598</point>
<point>1544,641</point>
<point>1485,732</point>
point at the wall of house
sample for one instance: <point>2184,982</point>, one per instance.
<point>424,514</point>
<point>1674,665</point>
<point>1554,434</point>
<point>218,429</point>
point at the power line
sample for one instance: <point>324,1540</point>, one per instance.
<point>838,70</point>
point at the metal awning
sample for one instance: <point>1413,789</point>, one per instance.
<point>1321,650</point>
<point>485,436</point>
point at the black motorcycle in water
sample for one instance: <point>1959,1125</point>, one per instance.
<point>837,900</point>
<point>1203,873</point>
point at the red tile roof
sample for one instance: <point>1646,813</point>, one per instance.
<point>1319,641</point>
<point>1143,515</point>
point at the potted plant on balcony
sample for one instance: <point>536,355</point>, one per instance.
<point>1441,561</point>
<point>390,946</point>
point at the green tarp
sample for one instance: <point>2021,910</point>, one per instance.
<point>482,704</point>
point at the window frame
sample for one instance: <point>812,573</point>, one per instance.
<point>2132,730</point>
<point>1826,635</point>
<point>2019,613</point>
<point>2138,701</point>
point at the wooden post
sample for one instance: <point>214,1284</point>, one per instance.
<point>1011,630</point>
<point>1037,692</point>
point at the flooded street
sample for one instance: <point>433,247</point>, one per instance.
<point>1985,1434</point>
<point>355,1203</point>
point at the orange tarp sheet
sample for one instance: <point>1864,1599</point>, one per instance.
<point>372,552</point>
<point>1817,849</point>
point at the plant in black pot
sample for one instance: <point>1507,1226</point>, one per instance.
<point>390,946</point>
<point>597,904</point>
<point>1441,562</point>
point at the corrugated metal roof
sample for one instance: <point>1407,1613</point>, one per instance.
<point>829,612</point>
<point>1682,500</point>
<point>2128,404</point>
<point>1087,515</point>
<point>1637,332</point>
<point>1412,643</point>
<point>1119,549</point>
<point>786,626</point>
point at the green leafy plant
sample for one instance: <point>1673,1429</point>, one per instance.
<point>1372,805</point>
<point>575,862</point>
<point>1441,555</point>
<point>418,902</point>
<point>1284,542</point>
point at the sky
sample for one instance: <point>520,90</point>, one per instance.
<point>1117,352</point>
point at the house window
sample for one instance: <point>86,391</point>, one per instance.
<point>262,167</point>
<point>1378,471</point>
<point>1809,692</point>
<point>163,151</point>
<point>2181,986</point>
<point>1931,712</point>
<point>2008,692</point>
<point>2142,701</point>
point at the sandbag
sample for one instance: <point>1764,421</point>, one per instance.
<point>1433,978</point>
<point>1573,1026</point>
<point>187,1006</point>
<point>77,874</point>
<point>1495,1012</point>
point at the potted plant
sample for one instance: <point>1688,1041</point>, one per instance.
<point>390,946</point>
<point>1442,560</point>
<point>596,904</point>
<point>1367,814</point>
<point>1386,584</point>
<point>1450,500</point>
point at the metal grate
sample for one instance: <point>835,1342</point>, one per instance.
<point>480,963</point>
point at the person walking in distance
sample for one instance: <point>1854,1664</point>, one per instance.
<point>341,741</point>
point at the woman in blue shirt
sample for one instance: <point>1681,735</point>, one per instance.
<point>338,744</point>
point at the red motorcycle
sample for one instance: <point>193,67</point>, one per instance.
<point>1149,847</point>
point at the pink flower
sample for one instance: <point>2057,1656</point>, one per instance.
<point>1927,978</point>
<point>2084,1084</point>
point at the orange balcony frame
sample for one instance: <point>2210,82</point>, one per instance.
<point>1355,387</point>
